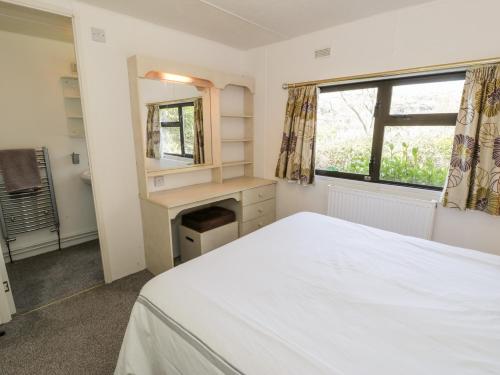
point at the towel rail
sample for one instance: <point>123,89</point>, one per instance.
<point>28,211</point>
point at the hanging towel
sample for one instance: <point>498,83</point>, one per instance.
<point>20,170</point>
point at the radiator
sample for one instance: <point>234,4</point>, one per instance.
<point>408,216</point>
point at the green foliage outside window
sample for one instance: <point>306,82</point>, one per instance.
<point>412,153</point>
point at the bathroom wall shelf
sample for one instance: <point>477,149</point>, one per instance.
<point>73,106</point>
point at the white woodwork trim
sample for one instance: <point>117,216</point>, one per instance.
<point>96,186</point>
<point>7,307</point>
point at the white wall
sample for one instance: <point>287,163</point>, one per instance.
<point>434,33</point>
<point>33,115</point>
<point>103,71</point>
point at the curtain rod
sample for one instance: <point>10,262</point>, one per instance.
<point>390,73</point>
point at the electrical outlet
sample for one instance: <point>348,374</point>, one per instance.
<point>98,35</point>
<point>159,181</point>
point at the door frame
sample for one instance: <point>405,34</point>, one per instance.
<point>7,307</point>
<point>68,11</point>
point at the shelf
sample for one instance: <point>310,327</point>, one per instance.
<point>237,140</point>
<point>165,172</point>
<point>236,163</point>
<point>236,115</point>
<point>76,134</point>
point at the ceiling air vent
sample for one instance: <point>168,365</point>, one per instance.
<point>320,53</point>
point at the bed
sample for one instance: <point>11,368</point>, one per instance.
<point>311,294</point>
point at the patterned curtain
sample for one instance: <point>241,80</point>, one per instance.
<point>474,177</point>
<point>296,160</point>
<point>153,136</point>
<point>199,145</point>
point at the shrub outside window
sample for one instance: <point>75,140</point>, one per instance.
<point>397,131</point>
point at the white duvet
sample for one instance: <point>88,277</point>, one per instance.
<point>311,294</point>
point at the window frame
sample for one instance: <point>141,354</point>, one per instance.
<point>177,124</point>
<point>383,119</point>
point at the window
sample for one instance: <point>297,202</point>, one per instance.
<point>177,129</point>
<point>397,131</point>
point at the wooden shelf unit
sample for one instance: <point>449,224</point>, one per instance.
<point>237,131</point>
<point>73,106</point>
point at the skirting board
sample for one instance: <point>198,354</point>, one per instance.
<point>48,246</point>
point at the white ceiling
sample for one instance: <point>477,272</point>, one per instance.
<point>245,24</point>
<point>22,20</point>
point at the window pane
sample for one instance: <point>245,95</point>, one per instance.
<point>345,130</point>
<point>422,98</point>
<point>171,140</point>
<point>417,154</point>
<point>169,114</point>
<point>188,122</point>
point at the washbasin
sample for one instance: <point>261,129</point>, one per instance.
<point>86,178</point>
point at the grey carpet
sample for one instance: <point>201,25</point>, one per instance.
<point>79,335</point>
<point>44,278</point>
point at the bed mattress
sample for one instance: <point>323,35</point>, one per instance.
<point>311,294</point>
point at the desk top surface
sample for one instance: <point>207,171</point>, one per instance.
<point>200,192</point>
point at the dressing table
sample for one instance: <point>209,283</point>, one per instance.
<point>224,177</point>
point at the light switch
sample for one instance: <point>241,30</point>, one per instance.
<point>98,35</point>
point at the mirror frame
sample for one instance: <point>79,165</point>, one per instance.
<point>141,67</point>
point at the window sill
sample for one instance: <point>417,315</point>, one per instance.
<point>404,191</point>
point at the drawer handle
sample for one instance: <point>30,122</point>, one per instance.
<point>260,195</point>
<point>189,239</point>
<point>260,225</point>
<point>260,210</point>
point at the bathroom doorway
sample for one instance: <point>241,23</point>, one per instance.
<point>49,236</point>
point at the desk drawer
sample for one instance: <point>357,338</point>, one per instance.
<point>253,225</point>
<point>253,211</point>
<point>259,194</point>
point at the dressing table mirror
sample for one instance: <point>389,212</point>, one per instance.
<point>176,124</point>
